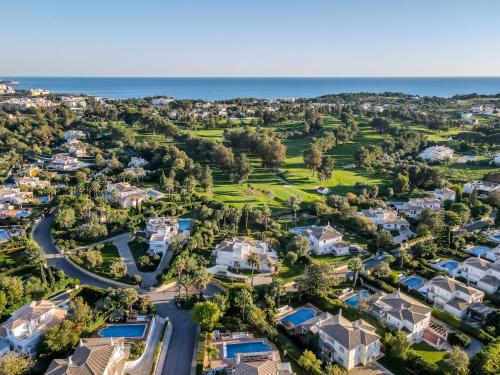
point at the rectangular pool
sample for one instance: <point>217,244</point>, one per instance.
<point>184,224</point>
<point>247,347</point>
<point>413,282</point>
<point>298,317</point>
<point>123,330</point>
<point>450,265</point>
<point>479,250</point>
<point>354,300</point>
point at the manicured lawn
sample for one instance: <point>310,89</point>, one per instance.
<point>396,367</point>
<point>290,273</point>
<point>332,258</point>
<point>430,353</point>
<point>139,249</point>
<point>10,260</point>
<point>109,255</point>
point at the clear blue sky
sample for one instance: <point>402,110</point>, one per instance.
<point>250,37</point>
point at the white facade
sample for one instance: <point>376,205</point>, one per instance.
<point>66,163</point>
<point>477,108</point>
<point>32,182</point>
<point>445,194</point>
<point>323,240</point>
<point>70,135</point>
<point>387,219</point>
<point>482,187</point>
<point>137,162</point>
<point>234,254</point>
<point>126,195</point>
<point>436,153</point>
<point>162,231</point>
<point>414,207</point>
<point>485,275</point>
<point>15,195</point>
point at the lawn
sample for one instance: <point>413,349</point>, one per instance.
<point>332,258</point>
<point>430,353</point>
<point>11,260</point>
<point>109,254</point>
<point>139,249</point>
<point>396,367</point>
<point>290,273</point>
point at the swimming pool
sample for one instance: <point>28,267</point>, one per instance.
<point>123,330</point>
<point>479,250</point>
<point>4,236</point>
<point>43,199</point>
<point>23,214</point>
<point>497,236</point>
<point>247,347</point>
<point>298,317</point>
<point>413,282</point>
<point>184,224</point>
<point>354,300</point>
<point>450,266</point>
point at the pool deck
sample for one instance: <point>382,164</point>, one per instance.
<point>294,310</point>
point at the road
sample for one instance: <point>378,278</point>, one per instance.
<point>180,351</point>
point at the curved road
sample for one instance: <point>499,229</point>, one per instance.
<point>180,351</point>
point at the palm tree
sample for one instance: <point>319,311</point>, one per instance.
<point>246,211</point>
<point>212,353</point>
<point>294,203</point>
<point>278,289</point>
<point>266,214</point>
<point>356,265</point>
<point>254,262</point>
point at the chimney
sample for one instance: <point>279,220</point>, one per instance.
<point>340,311</point>
<point>70,362</point>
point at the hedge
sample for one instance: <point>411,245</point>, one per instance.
<point>456,323</point>
<point>200,353</point>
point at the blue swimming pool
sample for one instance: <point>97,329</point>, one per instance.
<point>4,235</point>
<point>43,199</point>
<point>184,224</point>
<point>247,347</point>
<point>354,300</point>
<point>298,317</point>
<point>23,214</point>
<point>413,282</point>
<point>479,250</point>
<point>497,236</point>
<point>123,330</point>
<point>450,266</point>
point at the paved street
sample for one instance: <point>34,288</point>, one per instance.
<point>180,351</point>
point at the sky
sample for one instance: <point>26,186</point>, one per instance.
<point>337,38</point>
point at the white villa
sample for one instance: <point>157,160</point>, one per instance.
<point>402,312</point>
<point>162,231</point>
<point>323,240</point>
<point>14,195</point>
<point>482,187</point>
<point>74,102</point>
<point>345,342</point>
<point>451,295</point>
<point>66,163</point>
<point>76,148</point>
<point>32,182</point>
<point>386,218</point>
<point>26,325</point>
<point>127,195</point>
<point>93,356</point>
<point>436,153</point>
<point>234,254</point>
<point>137,162</point>
<point>70,135</point>
<point>485,275</point>
<point>466,115</point>
<point>445,194</point>
<point>415,206</point>
<point>477,108</point>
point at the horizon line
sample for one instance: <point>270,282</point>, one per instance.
<point>240,77</point>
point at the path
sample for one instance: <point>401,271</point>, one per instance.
<point>148,278</point>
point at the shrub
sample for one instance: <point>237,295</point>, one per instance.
<point>137,279</point>
<point>459,339</point>
<point>462,326</point>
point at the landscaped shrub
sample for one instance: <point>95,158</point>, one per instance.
<point>420,365</point>
<point>454,322</point>
<point>459,339</point>
<point>487,360</point>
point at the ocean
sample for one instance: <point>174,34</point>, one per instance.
<point>265,88</point>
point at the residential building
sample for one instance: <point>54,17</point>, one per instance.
<point>22,104</point>
<point>477,108</point>
<point>4,89</point>
<point>74,102</point>
<point>262,367</point>
<point>466,115</point>
<point>402,312</point>
<point>489,110</point>
<point>70,135</point>
<point>135,171</point>
<point>9,211</point>
<point>162,231</point>
<point>161,101</point>
<point>127,195</point>
<point>485,275</point>
<point>451,295</point>
<point>32,182</point>
<point>482,187</point>
<point>445,194</point>
<point>436,153</point>
<point>388,219</point>
<point>342,341</point>
<point>15,195</point>
<point>76,148</point>
<point>234,254</point>
<point>496,160</point>
<point>66,163</point>
<point>27,324</point>
<point>414,207</point>
<point>38,92</point>
<point>323,240</point>
<point>137,162</point>
<point>93,356</point>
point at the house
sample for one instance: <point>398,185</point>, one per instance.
<point>485,275</point>
<point>323,240</point>
<point>477,108</point>
<point>66,163</point>
<point>32,182</point>
<point>480,311</point>
<point>76,148</point>
<point>445,194</point>
<point>386,218</point>
<point>402,312</point>
<point>70,135</point>
<point>14,195</point>
<point>436,153</point>
<point>161,101</point>
<point>9,211</point>
<point>451,295</point>
<point>137,162</point>
<point>342,341</point>
<point>135,171</point>
<point>481,187</point>
<point>262,367</point>
<point>27,324</point>
<point>489,110</point>
<point>323,190</point>
<point>466,115</point>
<point>472,121</point>
<point>234,254</point>
<point>74,102</point>
<point>496,160</point>
<point>93,356</point>
<point>4,89</point>
<point>414,207</point>
<point>126,195</point>
<point>162,231</point>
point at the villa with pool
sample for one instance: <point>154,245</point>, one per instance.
<point>483,274</point>
<point>162,231</point>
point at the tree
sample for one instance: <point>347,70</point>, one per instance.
<point>382,270</point>
<point>246,210</point>
<point>94,258</point>
<point>118,269</point>
<point>398,344</point>
<point>332,369</point>
<point>243,299</point>
<point>309,362</point>
<point>223,157</point>
<point>317,279</point>
<point>254,261</point>
<point>82,313</point>
<point>425,249</point>
<point>325,172</point>
<point>451,219</point>
<point>294,203</point>
<point>212,353</point>
<point>266,214</point>
<point>312,157</point>
<point>206,314</point>
<point>487,360</point>
<point>34,254</point>
<point>299,245</point>
<point>273,154</point>
<point>57,341</point>
<point>458,361</point>
<point>65,218</point>
<point>356,265</point>
<point>278,289</point>
<point>291,258</point>
<point>15,364</point>
<point>402,183</point>
<point>242,168</point>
